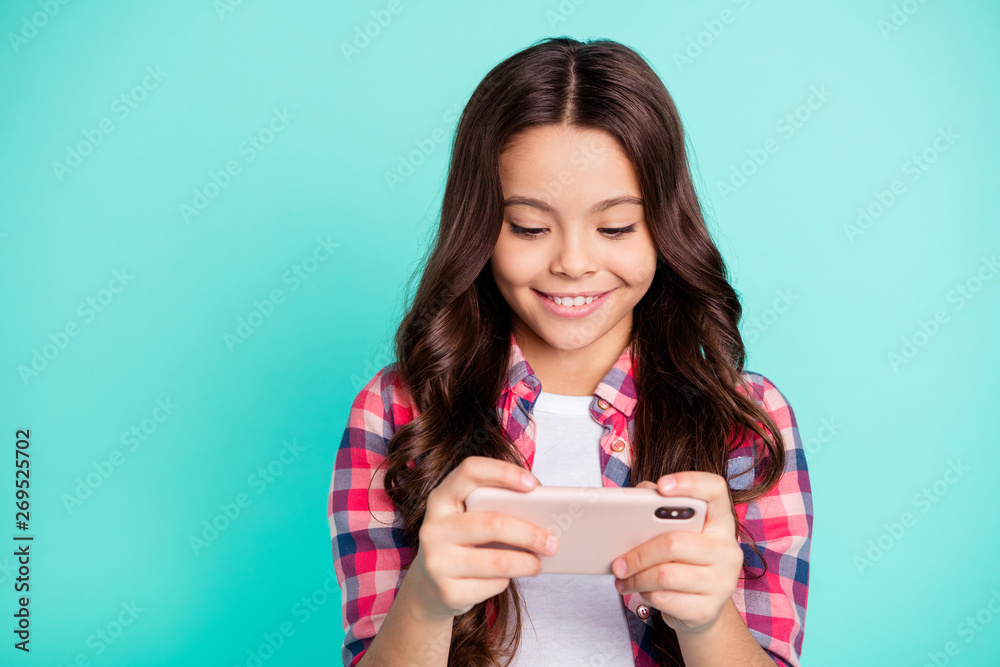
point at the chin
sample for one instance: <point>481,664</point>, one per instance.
<point>571,338</point>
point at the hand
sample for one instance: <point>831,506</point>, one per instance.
<point>688,577</point>
<point>453,574</point>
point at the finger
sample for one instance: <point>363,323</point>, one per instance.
<point>472,472</point>
<point>711,488</point>
<point>680,547</point>
<point>694,609</point>
<point>679,577</point>
<point>480,563</point>
<point>480,528</point>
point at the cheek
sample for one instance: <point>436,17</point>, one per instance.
<point>506,273</point>
<point>637,271</point>
<point>644,268</point>
<point>512,269</point>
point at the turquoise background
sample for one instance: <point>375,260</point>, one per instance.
<point>877,432</point>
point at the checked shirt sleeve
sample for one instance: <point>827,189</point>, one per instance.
<point>774,605</point>
<point>369,554</point>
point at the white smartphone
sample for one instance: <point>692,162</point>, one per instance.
<point>594,525</point>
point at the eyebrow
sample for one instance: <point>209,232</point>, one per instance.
<point>596,208</point>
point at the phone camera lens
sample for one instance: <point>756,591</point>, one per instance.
<point>674,512</point>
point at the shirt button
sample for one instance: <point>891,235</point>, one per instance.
<point>642,610</point>
<point>618,445</point>
<point>602,404</point>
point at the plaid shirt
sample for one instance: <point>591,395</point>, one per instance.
<point>371,559</point>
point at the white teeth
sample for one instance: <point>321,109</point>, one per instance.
<point>572,301</point>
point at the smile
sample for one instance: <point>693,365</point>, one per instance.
<point>578,306</point>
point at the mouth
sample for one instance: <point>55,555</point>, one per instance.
<point>578,306</point>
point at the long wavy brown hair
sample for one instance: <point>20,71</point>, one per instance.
<point>452,345</point>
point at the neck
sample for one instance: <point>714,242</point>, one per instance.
<point>575,372</point>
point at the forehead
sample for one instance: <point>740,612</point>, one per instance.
<point>559,161</point>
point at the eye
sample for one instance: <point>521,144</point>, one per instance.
<point>535,232</point>
<point>526,232</point>
<point>618,232</point>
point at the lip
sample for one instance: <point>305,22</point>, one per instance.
<point>575,294</point>
<point>572,312</point>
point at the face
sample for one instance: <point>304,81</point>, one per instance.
<point>573,228</point>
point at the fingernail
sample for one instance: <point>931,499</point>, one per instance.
<point>620,568</point>
<point>550,544</point>
<point>528,480</point>
<point>668,484</point>
<point>620,585</point>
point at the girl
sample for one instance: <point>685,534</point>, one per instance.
<point>574,327</point>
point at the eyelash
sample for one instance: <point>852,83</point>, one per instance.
<point>618,233</point>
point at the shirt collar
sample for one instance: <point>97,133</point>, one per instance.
<point>617,387</point>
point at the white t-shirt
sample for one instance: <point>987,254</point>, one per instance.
<point>571,619</point>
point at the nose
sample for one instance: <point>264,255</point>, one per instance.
<point>574,258</point>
